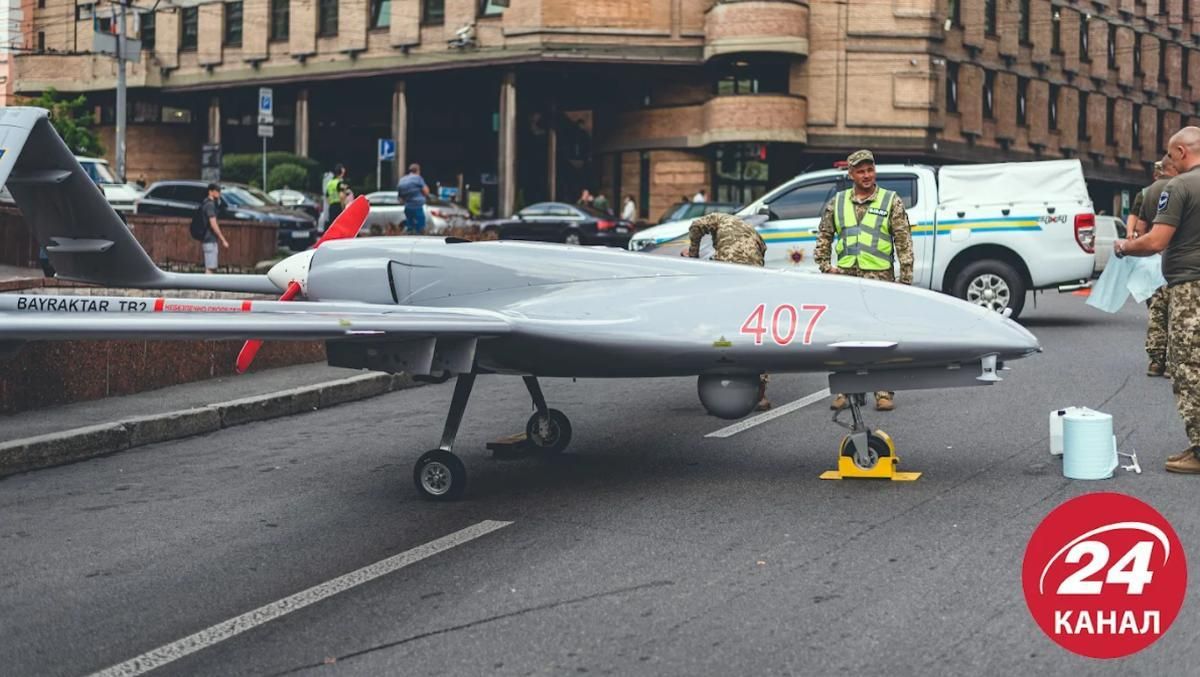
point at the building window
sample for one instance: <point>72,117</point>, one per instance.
<point>741,172</point>
<point>1162,7</point>
<point>989,17</point>
<point>1056,33</point>
<point>280,20</point>
<point>951,88</point>
<point>644,185</point>
<point>1022,98</point>
<point>41,4</point>
<point>433,12</point>
<point>327,19</point>
<point>989,90</point>
<point>1083,38</point>
<point>744,77</point>
<point>1112,46</point>
<point>41,41</point>
<point>1052,113</point>
<point>1137,54</point>
<point>1023,27</point>
<point>179,116</point>
<point>1110,127</point>
<point>1083,116</point>
<point>1162,60</point>
<point>1185,65</point>
<point>381,13</point>
<point>1137,126</point>
<point>492,8</point>
<point>233,24</point>
<point>954,12</point>
<point>147,31</point>
<point>191,28</point>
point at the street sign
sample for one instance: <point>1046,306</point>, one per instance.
<point>387,149</point>
<point>266,131</point>
<point>266,107</point>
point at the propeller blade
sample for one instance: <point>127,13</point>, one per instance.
<point>349,222</point>
<point>250,348</point>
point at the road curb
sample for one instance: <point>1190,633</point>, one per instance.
<point>78,444</point>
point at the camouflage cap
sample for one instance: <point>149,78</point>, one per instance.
<point>860,156</point>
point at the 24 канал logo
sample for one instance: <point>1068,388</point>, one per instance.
<point>1104,575</point>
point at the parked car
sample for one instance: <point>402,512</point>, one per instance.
<point>985,233</point>
<point>694,210</point>
<point>122,196</point>
<point>297,230</point>
<point>1108,229</point>
<point>387,210</point>
<point>309,204</point>
<point>561,222</point>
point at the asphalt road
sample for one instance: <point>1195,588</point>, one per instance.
<point>646,549</point>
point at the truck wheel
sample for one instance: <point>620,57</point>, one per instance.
<point>993,284</point>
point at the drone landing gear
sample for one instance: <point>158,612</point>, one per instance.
<point>441,476</point>
<point>865,453</point>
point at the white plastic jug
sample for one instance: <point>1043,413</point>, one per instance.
<point>1056,428</point>
<point>1089,446</point>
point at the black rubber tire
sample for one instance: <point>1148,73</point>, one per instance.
<point>440,476</point>
<point>874,442</point>
<point>560,432</point>
<point>980,269</point>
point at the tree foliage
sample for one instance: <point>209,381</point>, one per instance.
<point>72,120</point>
<point>247,168</point>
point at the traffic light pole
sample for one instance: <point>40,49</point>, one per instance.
<point>121,47</point>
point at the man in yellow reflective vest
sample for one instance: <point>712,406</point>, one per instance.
<point>865,232</point>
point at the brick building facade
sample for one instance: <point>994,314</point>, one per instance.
<point>653,98</point>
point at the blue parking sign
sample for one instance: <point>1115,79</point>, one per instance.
<point>387,149</point>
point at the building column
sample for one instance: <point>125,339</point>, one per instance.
<point>214,120</point>
<point>400,128</point>
<point>301,146</point>
<point>507,164</point>
<point>552,153</point>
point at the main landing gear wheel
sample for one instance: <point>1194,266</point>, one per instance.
<point>549,433</point>
<point>440,475</point>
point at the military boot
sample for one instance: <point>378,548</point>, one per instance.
<point>1156,369</point>
<point>1188,465</point>
<point>1175,458</point>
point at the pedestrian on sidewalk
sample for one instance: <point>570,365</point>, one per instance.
<point>413,192</point>
<point>209,229</point>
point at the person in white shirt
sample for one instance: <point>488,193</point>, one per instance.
<point>629,209</point>
<point>701,196</point>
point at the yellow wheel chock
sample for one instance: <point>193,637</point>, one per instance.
<point>880,461</point>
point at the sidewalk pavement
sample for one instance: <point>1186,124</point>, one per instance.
<point>47,437</point>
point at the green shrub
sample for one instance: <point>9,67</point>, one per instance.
<point>287,175</point>
<point>247,168</point>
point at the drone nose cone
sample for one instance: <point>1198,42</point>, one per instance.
<point>292,269</point>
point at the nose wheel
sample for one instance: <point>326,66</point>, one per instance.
<point>549,433</point>
<point>440,475</point>
<point>865,453</point>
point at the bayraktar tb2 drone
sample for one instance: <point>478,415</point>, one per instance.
<point>441,307</point>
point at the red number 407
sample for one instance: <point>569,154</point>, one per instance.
<point>784,323</point>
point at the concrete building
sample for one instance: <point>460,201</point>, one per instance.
<point>10,40</point>
<point>533,99</point>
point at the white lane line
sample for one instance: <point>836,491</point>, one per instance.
<point>247,621</point>
<point>788,408</point>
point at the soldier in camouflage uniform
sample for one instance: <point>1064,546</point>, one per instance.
<point>1159,305</point>
<point>734,241</point>
<point>1176,234</point>
<point>863,255</point>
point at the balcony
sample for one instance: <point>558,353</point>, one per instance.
<point>737,26</point>
<point>722,119</point>
<point>33,73</point>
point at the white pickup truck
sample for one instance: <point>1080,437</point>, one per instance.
<point>985,233</point>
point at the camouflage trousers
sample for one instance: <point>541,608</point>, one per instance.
<point>1183,354</point>
<point>888,275</point>
<point>1156,332</point>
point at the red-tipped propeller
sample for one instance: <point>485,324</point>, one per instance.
<point>347,224</point>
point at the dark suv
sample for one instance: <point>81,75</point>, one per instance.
<point>297,230</point>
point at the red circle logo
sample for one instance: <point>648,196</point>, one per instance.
<point>1104,575</point>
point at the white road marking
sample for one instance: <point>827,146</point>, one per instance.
<point>247,621</point>
<point>742,426</point>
